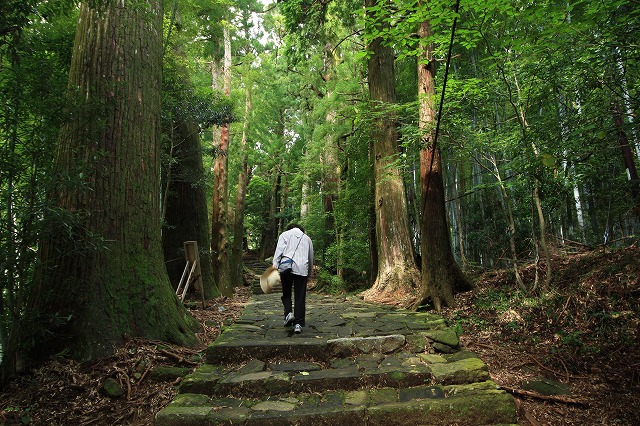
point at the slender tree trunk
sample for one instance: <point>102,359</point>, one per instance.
<point>102,275</point>
<point>536,245</point>
<point>331,165</point>
<point>413,201</point>
<point>398,277</point>
<point>270,233</point>
<point>329,186</point>
<point>536,191</point>
<point>241,195</point>
<point>519,110</point>
<point>11,305</point>
<point>219,217</point>
<point>441,275</point>
<point>543,236</point>
<point>511,223</point>
<point>459,193</point>
<point>373,242</point>
<point>283,217</point>
<point>304,202</point>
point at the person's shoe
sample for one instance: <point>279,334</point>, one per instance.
<point>288,319</point>
<point>297,329</point>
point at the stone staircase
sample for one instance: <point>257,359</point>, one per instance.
<point>353,364</point>
<point>253,268</point>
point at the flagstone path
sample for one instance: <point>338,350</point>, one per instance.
<point>354,364</point>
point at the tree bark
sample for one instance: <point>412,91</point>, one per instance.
<point>398,277</point>
<point>330,185</point>
<point>219,218</point>
<point>441,274</point>
<point>243,181</point>
<point>460,189</point>
<point>102,275</point>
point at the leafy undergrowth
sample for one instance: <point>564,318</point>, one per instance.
<point>583,332</point>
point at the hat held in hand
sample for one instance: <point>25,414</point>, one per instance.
<point>269,280</point>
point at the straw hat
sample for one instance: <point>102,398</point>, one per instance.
<point>269,280</point>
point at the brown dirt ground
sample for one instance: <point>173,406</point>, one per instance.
<point>583,333</point>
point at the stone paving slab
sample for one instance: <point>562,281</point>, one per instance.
<point>259,332</point>
<point>257,378</point>
<point>354,363</point>
<point>477,404</point>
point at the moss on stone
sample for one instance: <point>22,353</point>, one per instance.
<point>167,373</point>
<point>190,400</point>
<point>447,336</point>
<point>468,370</point>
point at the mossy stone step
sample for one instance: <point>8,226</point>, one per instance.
<point>240,350</point>
<point>252,380</point>
<point>232,345</point>
<point>476,404</point>
<point>354,364</point>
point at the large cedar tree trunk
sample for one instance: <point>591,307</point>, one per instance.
<point>441,274</point>
<point>219,217</point>
<point>398,276</point>
<point>186,217</point>
<point>330,185</point>
<point>102,275</point>
<point>244,176</point>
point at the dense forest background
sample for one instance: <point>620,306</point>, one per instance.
<point>267,116</point>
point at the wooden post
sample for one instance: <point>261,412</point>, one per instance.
<point>192,258</point>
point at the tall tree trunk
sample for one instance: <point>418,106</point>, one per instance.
<point>102,274</point>
<point>330,185</point>
<point>508,214</point>
<point>11,293</point>
<point>186,215</point>
<point>441,274</point>
<point>515,99</point>
<point>241,194</point>
<point>398,277</point>
<point>219,218</point>
<point>459,192</point>
<point>543,235</point>
<point>371,231</point>
<point>270,233</point>
<point>304,198</point>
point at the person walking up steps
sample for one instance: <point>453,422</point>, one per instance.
<point>294,259</point>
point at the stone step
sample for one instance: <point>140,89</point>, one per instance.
<point>354,363</point>
<point>256,267</point>
<point>331,328</point>
<point>470,404</point>
<point>257,378</point>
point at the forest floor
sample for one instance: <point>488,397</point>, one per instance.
<point>583,333</point>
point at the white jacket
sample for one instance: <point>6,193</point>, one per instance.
<point>296,245</point>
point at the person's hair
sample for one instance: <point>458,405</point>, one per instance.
<point>294,225</point>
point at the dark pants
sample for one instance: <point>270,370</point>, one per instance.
<point>298,284</point>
